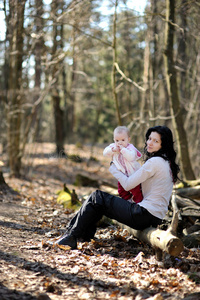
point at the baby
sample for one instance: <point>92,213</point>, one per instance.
<point>125,156</point>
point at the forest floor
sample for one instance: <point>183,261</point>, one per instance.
<point>114,265</point>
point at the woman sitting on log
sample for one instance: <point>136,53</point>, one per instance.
<point>157,176</point>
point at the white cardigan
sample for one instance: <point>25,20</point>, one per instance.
<point>157,184</point>
<point>130,156</point>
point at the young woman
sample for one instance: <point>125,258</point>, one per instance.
<point>157,176</point>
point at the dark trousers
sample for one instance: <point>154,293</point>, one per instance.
<point>83,224</point>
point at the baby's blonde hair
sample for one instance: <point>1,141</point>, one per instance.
<point>119,129</point>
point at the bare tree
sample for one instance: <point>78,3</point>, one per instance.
<point>14,37</point>
<point>37,48</point>
<point>57,58</point>
<point>114,46</point>
<point>38,51</point>
<point>175,107</point>
<point>71,105</point>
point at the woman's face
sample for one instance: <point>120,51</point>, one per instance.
<point>154,142</point>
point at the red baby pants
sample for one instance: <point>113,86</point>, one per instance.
<point>135,193</point>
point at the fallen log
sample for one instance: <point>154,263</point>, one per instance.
<point>83,180</point>
<point>191,192</point>
<point>190,212</point>
<point>87,180</point>
<point>192,229</point>
<point>160,240</point>
<point>188,183</point>
<point>186,202</point>
<point>192,240</point>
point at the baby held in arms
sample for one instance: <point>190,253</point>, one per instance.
<point>124,155</point>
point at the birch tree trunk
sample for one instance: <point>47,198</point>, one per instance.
<point>175,106</point>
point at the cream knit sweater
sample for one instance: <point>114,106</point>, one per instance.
<point>157,184</point>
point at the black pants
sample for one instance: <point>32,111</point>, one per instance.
<point>83,224</point>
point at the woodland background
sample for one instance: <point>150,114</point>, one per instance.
<point>71,71</point>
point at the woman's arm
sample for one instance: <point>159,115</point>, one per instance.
<point>141,175</point>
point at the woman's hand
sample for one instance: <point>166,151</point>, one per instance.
<point>112,166</point>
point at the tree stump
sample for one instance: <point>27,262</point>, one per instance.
<point>6,192</point>
<point>2,180</point>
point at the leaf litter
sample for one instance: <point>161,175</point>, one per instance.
<point>114,265</point>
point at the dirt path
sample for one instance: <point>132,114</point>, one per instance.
<point>112,266</point>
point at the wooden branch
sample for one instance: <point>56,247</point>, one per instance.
<point>128,79</point>
<point>176,215</point>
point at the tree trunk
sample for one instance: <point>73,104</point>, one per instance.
<point>38,51</point>
<point>182,50</point>
<point>33,118</point>
<point>58,112</point>
<point>2,180</point>
<point>6,192</point>
<point>58,117</point>
<point>175,107</point>
<point>114,45</point>
<point>15,40</point>
<point>71,116</point>
<point>153,64</point>
<point>145,94</point>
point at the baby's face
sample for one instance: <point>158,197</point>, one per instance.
<point>121,139</point>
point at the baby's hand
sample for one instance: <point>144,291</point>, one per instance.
<point>120,147</point>
<point>115,149</point>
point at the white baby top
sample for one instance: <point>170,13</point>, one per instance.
<point>125,160</point>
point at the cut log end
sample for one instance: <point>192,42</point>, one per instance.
<point>174,247</point>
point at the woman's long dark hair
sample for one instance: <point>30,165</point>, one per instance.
<point>167,151</point>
